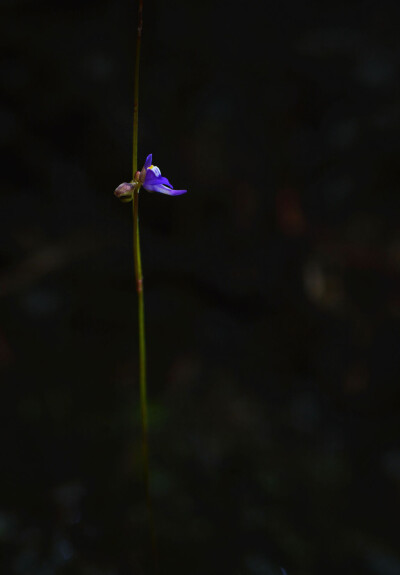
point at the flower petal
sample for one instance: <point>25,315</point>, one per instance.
<point>175,192</point>
<point>156,170</point>
<point>149,161</point>
<point>152,179</point>
<point>165,190</point>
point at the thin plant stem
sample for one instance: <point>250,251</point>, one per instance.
<point>140,296</point>
<point>136,91</point>
<point>142,364</point>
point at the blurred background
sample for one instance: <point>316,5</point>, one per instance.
<point>272,288</point>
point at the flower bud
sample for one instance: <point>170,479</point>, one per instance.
<point>124,192</point>
<point>142,175</point>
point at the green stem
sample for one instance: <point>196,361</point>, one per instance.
<point>142,339</point>
<point>142,361</point>
<point>139,288</point>
<point>136,90</point>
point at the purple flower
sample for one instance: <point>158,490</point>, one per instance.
<point>152,180</point>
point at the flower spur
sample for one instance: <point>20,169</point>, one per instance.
<point>151,179</point>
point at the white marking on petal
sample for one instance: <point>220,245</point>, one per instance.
<point>156,170</point>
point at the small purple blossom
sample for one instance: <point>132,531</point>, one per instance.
<point>152,180</point>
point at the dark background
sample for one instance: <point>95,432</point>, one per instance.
<point>272,288</point>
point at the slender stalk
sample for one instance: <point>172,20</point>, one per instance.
<point>139,288</point>
<point>136,90</point>
<point>142,364</point>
